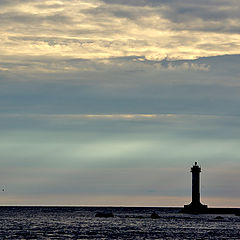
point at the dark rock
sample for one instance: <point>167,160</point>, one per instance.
<point>154,215</point>
<point>219,218</point>
<point>237,213</point>
<point>104,214</point>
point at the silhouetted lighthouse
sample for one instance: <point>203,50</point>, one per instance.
<point>195,184</point>
<point>195,205</point>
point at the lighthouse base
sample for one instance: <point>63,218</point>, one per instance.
<point>195,208</point>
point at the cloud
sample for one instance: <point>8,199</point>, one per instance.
<point>192,14</point>
<point>126,85</point>
<point>54,6</point>
<point>107,29</point>
<point>56,65</point>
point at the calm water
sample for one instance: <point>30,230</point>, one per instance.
<point>128,223</point>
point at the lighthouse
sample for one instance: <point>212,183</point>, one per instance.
<point>195,206</point>
<point>195,170</point>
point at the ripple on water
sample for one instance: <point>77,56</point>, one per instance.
<point>128,223</point>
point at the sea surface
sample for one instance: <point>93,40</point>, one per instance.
<point>127,223</point>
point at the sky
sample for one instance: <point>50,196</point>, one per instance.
<point>110,102</point>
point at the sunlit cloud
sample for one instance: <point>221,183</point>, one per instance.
<point>127,116</point>
<point>111,29</point>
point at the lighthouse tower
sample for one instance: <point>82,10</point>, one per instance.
<point>195,184</point>
<point>195,205</point>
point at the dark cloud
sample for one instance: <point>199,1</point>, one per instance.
<point>29,19</point>
<point>123,85</point>
<point>15,2</point>
<point>177,3</point>
<point>208,15</point>
<point>51,6</point>
<point>136,2</point>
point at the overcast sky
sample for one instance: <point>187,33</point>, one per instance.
<point>110,102</point>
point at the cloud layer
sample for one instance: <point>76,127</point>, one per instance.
<point>94,29</point>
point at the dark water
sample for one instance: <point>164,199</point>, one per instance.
<point>128,223</point>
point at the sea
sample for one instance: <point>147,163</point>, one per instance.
<point>127,223</point>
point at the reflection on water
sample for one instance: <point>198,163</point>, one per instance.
<point>128,223</point>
